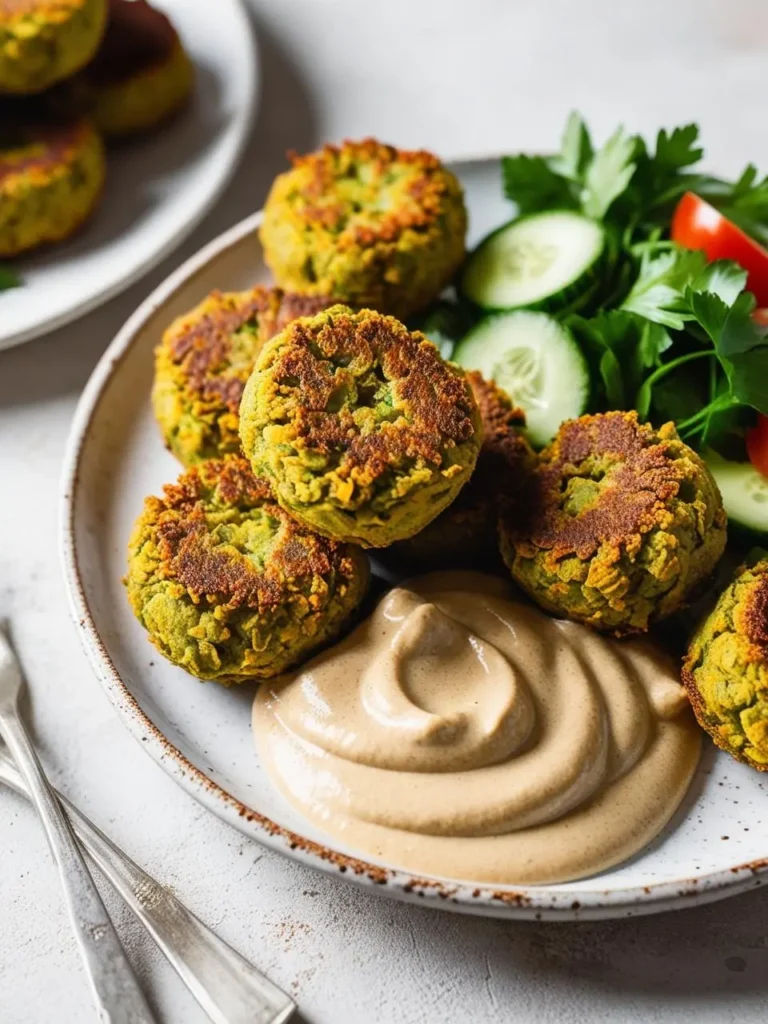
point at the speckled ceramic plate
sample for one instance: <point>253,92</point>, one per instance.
<point>158,188</point>
<point>716,845</point>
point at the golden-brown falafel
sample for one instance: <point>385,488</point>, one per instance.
<point>726,668</point>
<point>464,535</point>
<point>204,359</point>
<point>45,41</point>
<point>620,523</point>
<point>51,178</point>
<point>227,585</point>
<point>364,432</point>
<point>375,226</point>
<point>141,74</point>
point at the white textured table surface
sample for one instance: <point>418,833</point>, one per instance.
<point>460,77</point>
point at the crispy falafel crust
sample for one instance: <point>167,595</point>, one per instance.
<point>44,41</point>
<point>465,533</point>
<point>364,432</point>
<point>50,183</point>
<point>227,585</point>
<point>141,74</point>
<point>376,226</point>
<point>505,456</point>
<point>204,359</point>
<point>726,668</point>
<point>621,522</point>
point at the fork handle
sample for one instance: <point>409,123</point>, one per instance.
<point>230,990</point>
<point>117,995</point>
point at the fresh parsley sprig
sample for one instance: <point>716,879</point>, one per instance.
<point>687,322</point>
<point>744,201</point>
<point>670,335</point>
<point>626,184</point>
<point>8,279</point>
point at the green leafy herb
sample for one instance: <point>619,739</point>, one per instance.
<point>531,183</point>
<point>723,278</point>
<point>746,203</point>
<point>676,150</point>
<point>576,150</point>
<point>8,279</point>
<point>665,270</point>
<point>626,184</point>
<point>607,174</point>
<point>654,342</point>
<point>622,182</point>
<point>661,178</point>
<point>609,341</point>
<point>646,352</point>
<point>671,335</point>
<point>741,346</point>
<point>679,394</point>
<point>644,396</point>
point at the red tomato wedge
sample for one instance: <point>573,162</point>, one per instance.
<point>760,316</point>
<point>697,225</point>
<point>757,444</point>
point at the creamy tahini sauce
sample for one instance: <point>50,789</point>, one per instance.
<point>458,733</point>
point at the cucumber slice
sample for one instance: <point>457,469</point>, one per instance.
<point>546,260</point>
<point>538,363</point>
<point>745,494</point>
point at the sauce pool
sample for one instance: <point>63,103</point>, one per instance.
<point>462,734</point>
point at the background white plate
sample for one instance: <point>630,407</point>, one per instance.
<point>158,188</point>
<point>716,845</point>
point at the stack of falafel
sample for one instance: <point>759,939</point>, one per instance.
<point>313,424</point>
<point>74,73</point>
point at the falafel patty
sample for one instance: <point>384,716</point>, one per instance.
<point>726,668</point>
<point>44,41</point>
<point>376,226</point>
<point>364,432</point>
<point>465,533</point>
<point>621,522</point>
<point>51,177</point>
<point>204,359</point>
<point>141,74</point>
<point>227,585</point>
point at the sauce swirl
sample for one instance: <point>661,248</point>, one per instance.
<point>461,734</point>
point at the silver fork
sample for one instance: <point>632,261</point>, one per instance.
<point>117,995</point>
<point>229,989</point>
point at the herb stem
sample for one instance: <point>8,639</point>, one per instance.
<point>699,419</point>
<point>666,368</point>
<point>699,428</point>
<point>712,381</point>
<point>696,418</point>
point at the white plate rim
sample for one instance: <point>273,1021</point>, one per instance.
<point>534,902</point>
<point>243,123</point>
